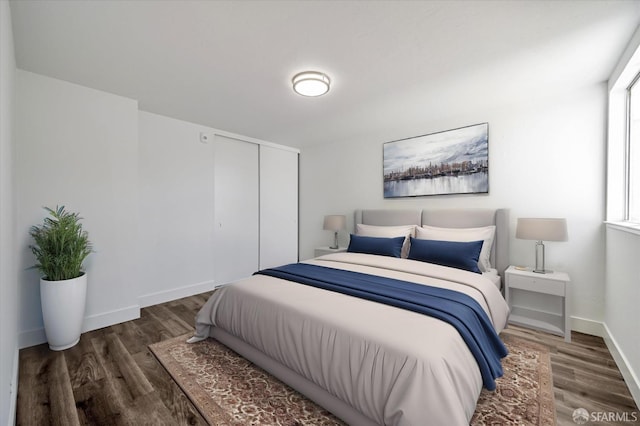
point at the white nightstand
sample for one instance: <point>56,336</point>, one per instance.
<point>320,251</point>
<point>539,301</point>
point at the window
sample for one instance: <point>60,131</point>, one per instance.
<point>633,153</point>
<point>623,141</point>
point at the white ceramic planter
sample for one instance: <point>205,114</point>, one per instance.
<point>63,305</point>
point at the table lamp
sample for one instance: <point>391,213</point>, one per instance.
<point>334,223</point>
<point>541,229</point>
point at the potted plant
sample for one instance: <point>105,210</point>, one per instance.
<point>60,248</point>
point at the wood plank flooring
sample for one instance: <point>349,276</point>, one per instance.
<point>111,377</point>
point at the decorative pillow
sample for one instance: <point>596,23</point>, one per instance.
<point>406,231</point>
<point>376,245</point>
<point>485,233</point>
<point>456,254</point>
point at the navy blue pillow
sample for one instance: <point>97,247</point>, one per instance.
<point>376,245</point>
<point>461,255</point>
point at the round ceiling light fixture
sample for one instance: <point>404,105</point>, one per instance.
<point>311,83</point>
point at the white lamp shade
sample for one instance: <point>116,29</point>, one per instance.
<point>542,229</point>
<point>311,83</point>
<point>334,223</point>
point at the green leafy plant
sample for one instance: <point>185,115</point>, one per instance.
<point>60,245</point>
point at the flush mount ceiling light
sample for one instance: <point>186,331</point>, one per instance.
<point>311,83</point>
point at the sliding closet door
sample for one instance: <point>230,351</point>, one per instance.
<point>236,204</point>
<point>278,207</point>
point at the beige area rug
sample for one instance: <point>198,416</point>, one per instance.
<point>229,390</point>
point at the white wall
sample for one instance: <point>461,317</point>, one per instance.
<point>143,183</point>
<point>178,241</point>
<point>8,279</point>
<point>176,245</point>
<point>278,207</point>
<point>622,284</point>
<point>622,296</point>
<point>546,159</point>
<point>78,147</point>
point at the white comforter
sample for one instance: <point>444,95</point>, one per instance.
<point>396,367</point>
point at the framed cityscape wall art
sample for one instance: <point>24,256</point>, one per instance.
<point>449,162</point>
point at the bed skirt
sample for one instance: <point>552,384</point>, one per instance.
<point>296,381</point>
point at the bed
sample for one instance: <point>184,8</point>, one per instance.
<point>367,362</point>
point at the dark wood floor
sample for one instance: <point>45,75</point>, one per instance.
<point>111,377</point>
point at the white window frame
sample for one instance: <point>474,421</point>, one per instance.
<point>628,145</point>
<point>627,151</point>
<point>626,73</point>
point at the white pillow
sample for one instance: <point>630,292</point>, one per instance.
<point>389,232</point>
<point>485,233</point>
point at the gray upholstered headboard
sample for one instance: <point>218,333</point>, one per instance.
<point>449,218</point>
<point>389,217</point>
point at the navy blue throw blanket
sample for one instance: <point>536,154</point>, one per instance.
<point>458,309</point>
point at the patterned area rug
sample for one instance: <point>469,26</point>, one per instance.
<point>229,390</point>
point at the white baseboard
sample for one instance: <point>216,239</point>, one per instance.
<point>106,319</point>
<point>37,336</point>
<point>600,329</point>
<point>175,293</point>
<point>630,377</point>
<point>31,338</point>
<point>13,389</point>
<point>587,326</point>
<point>596,328</point>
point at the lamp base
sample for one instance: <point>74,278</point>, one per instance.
<point>539,269</point>
<point>335,241</point>
<point>543,271</point>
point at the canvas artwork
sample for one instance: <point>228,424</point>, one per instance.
<point>450,162</point>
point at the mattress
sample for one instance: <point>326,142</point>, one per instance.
<point>393,366</point>
<point>492,275</point>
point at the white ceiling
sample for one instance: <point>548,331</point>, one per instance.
<point>228,64</point>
